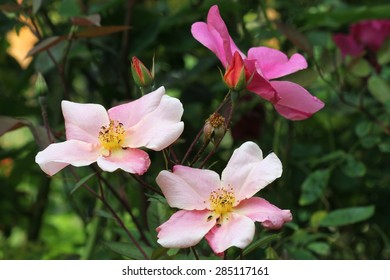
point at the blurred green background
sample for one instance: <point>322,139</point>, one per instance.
<point>336,178</point>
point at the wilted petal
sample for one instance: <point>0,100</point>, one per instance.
<point>260,210</point>
<point>295,103</point>
<point>131,113</point>
<point>237,231</point>
<point>274,63</point>
<point>59,155</point>
<point>184,229</point>
<point>188,188</point>
<point>83,121</point>
<point>159,128</point>
<point>247,172</point>
<point>134,161</point>
<point>215,36</point>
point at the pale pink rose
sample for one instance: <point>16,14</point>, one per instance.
<point>265,65</point>
<point>113,138</point>
<point>223,210</point>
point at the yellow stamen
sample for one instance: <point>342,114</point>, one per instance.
<point>221,202</point>
<point>112,136</point>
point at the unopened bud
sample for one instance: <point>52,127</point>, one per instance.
<point>236,75</point>
<point>141,75</point>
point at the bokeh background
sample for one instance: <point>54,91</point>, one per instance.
<point>336,178</point>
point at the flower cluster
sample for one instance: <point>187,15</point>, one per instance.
<point>223,208</point>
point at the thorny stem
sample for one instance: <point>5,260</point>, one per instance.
<point>102,198</point>
<point>144,184</point>
<point>124,204</point>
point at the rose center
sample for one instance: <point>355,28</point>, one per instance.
<point>112,136</point>
<point>222,201</point>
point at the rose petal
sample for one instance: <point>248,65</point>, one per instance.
<point>295,103</point>
<point>215,36</point>
<point>247,172</point>
<point>159,128</point>
<point>84,121</point>
<point>131,113</point>
<point>184,229</point>
<point>188,188</point>
<point>237,231</point>
<point>59,155</point>
<point>274,63</point>
<point>260,210</point>
<point>258,84</point>
<point>133,161</point>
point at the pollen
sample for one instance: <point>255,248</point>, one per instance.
<point>222,201</point>
<point>112,136</point>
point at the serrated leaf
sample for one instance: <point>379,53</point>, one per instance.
<point>314,186</point>
<point>127,249</point>
<point>379,88</point>
<point>82,182</point>
<point>45,44</point>
<point>347,216</point>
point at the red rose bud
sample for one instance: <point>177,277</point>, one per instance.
<point>236,74</point>
<point>141,75</point>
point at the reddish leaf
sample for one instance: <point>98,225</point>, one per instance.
<point>46,44</point>
<point>296,37</point>
<point>9,8</point>
<point>92,20</point>
<point>91,32</point>
<point>9,124</point>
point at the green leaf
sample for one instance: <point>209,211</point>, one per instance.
<point>36,4</point>
<point>69,8</point>
<point>81,182</point>
<point>260,243</point>
<point>363,128</point>
<point>354,168</point>
<point>127,249</point>
<point>360,68</point>
<point>379,88</point>
<point>383,54</point>
<point>347,216</point>
<point>320,248</point>
<point>314,186</point>
<point>270,254</point>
